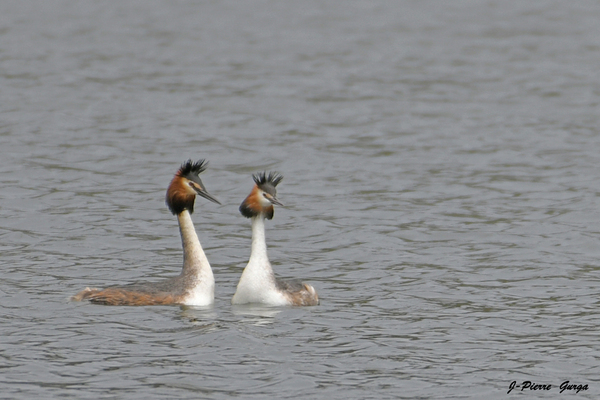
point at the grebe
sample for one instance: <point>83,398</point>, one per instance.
<point>195,286</point>
<point>258,283</point>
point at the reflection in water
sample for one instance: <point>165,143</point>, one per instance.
<point>200,316</point>
<point>262,315</point>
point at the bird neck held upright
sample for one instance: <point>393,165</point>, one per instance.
<point>258,254</point>
<point>259,244</point>
<point>194,260</point>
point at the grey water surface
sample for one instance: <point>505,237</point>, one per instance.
<point>442,177</point>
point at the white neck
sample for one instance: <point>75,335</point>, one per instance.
<point>259,243</point>
<point>257,283</point>
<point>196,268</point>
<point>259,259</point>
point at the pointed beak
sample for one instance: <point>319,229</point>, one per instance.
<point>203,193</point>
<point>274,200</point>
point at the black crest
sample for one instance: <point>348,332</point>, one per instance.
<point>190,168</point>
<point>267,182</point>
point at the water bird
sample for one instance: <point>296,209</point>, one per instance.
<point>258,283</point>
<point>195,286</point>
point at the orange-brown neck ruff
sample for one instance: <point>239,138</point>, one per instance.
<point>180,196</point>
<point>251,206</point>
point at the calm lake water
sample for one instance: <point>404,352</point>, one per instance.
<point>441,164</point>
